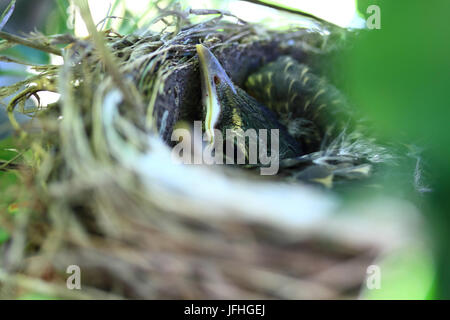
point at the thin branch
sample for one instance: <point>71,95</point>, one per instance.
<point>6,163</point>
<point>215,11</point>
<point>108,18</point>
<point>291,10</point>
<point>13,38</point>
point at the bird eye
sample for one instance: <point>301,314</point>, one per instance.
<point>216,80</point>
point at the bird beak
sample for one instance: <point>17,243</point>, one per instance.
<point>211,73</point>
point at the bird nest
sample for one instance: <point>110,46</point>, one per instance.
<point>100,190</point>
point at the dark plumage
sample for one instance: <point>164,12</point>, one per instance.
<point>312,109</point>
<point>241,111</point>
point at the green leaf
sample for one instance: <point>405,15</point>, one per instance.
<point>6,147</point>
<point>56,22</point>
<point>4,236</point>
<point>7,13</point>
<point>27,54</point>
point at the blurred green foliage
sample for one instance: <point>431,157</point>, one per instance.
<point>406,274</point>
<point>399,76</point>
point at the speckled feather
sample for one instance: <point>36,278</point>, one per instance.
<point>307,104</point>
